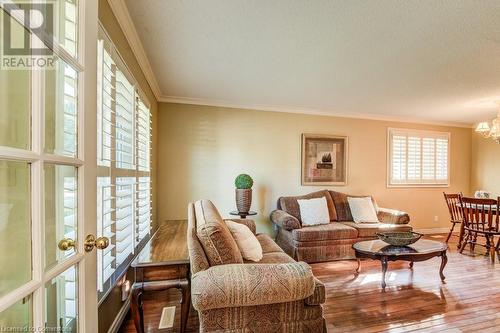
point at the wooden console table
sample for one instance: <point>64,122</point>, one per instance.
<point>162,264</point>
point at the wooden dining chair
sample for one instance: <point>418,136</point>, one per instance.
<point>481,218</point>
<point>453,202</point>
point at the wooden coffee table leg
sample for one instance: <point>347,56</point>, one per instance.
<point>411,264</point>
<point>384,270</point>
<point>358,269</point>
<point>444,260</point>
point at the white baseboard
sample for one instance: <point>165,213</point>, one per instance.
<point>431,231</point>
<point>115,326</point>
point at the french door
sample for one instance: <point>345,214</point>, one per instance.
<point>48,172</point>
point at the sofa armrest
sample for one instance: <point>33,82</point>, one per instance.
<point>392,216</point>
<point>249,223</point>
<point>285,220</point>
<point>318,296</point>
<point>238,285</point>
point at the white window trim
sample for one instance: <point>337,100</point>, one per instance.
<point>443,184</point>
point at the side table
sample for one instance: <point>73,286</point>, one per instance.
<point>243,214</point>
<point>162,264</point>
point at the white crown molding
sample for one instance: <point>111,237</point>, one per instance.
<point>292,109</point>
<point>122,15</point>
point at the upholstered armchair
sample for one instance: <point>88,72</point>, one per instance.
<point>276,294</point>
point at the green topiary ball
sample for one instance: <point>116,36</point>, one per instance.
<point>243,181</point>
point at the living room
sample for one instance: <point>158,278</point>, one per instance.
<point>258,166</point>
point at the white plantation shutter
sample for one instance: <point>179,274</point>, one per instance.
<point>429,158</point>
<point>418,157</point>
<point>414,158</point>
<point>124,223</point>
<point>442,158</point>
<point>398,165</point>
<point>124,166</point>
<point>143,136</point>
<point>105,227</point>
<point>143,208</point>
<point>105,104</point>
<point>125,136</point>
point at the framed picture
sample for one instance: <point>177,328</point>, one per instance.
<point>324,159</point>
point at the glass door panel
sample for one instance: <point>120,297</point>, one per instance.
<point>60,182</point>
<point>61,110</point>
<point>18,315</point>
<point>67,33</point>
<point>61,301</point>
<point>14,97</point>
<point>15,226</point>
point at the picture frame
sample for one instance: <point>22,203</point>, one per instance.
<point>324,160</point>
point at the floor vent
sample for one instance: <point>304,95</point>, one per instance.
<point>167,317</point>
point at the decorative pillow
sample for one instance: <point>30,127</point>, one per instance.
<point>291,205</point>
<point>342,205</point>
<point>362,210</point>
<point>248,244</point>
<point>214,235</point>
<point>314,211</point>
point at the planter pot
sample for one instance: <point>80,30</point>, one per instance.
<point>243,200</point>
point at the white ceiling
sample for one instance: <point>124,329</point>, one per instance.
<point>435,61</point>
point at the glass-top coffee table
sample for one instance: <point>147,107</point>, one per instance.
<point>419,251</point>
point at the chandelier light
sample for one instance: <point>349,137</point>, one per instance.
<point>490,131</point>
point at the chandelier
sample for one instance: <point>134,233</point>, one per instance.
<point>490,131</point>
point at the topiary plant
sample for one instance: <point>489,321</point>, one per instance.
<point>243,181</point>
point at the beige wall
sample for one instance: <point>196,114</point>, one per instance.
<point>201,149</point>
<point>485,171</point>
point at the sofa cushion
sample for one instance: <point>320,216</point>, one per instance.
<point>273,258</point>
<point>392,216</point>
<point>314,211</point>
<point>291,206</point>
<point>214,235</point>
<point>248,244</point>
<point>362,210</point>
<point>342,205</point>
<point>267,244</point>
<point>370,229</point>
<point>328,231</point>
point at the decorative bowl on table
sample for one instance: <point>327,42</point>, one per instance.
<point>399,238</point>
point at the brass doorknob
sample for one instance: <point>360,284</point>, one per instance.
<point>65,244</point>
<point>91,241</point>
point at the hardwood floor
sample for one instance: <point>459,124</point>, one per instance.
<point>415,300</point>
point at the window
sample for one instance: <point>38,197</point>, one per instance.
<point>124,170</point>
<point>418,158</point>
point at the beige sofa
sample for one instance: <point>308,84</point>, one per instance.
<point>276,294</point>
<point>331,241</point>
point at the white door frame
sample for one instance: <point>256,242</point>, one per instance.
<point>88,277</point>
